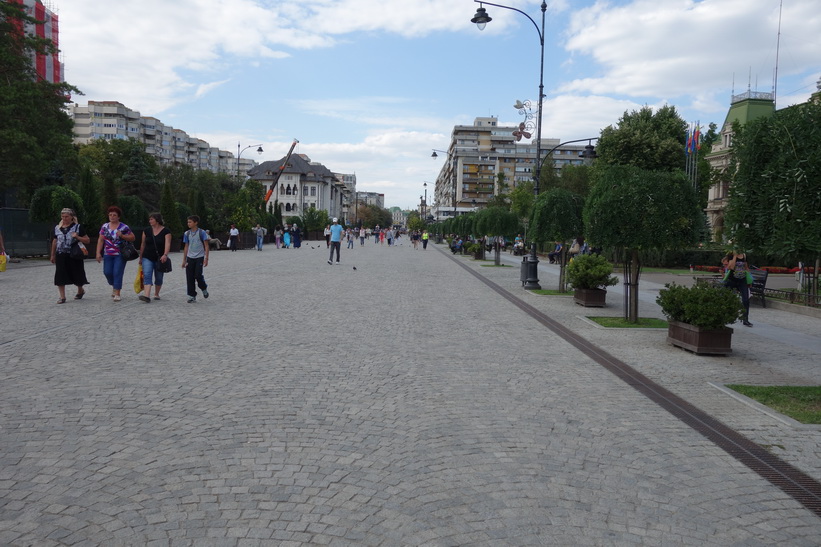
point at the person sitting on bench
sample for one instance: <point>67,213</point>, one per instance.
<point>553,257</point>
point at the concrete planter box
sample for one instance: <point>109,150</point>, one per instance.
<point>698,340</point>
<point>590,298</point>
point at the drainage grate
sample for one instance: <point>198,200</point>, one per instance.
<point>792,481</point>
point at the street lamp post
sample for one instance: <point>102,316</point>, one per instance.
<point>481,19</point>
<point>425,203</point>
<point>239,153</point>
<point>588,154</point>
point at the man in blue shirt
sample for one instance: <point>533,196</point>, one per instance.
<point>336,240</point>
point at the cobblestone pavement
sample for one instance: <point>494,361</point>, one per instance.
<point>400,403</point>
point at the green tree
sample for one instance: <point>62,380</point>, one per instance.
<point>314,219</point>
<point>633,210</point>
<point>134,212</point>
<point>90,194</point>
<point>169,212</point>
<point>35,131</point>
<point>48,201</point>
<point>140,176</point>
<point>497,222</point>
<point>644,139</point>
<point>557,216</point>
<point>521,203</point>
<point>775,194</point>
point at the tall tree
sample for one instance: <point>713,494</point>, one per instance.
<point>169,212</point>
<point>644,139</point>
<point>35,130</point>
<point>775,194</point>
<point>557,216</point>
<point>634,210</point>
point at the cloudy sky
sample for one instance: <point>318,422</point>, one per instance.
<point>371,86</point>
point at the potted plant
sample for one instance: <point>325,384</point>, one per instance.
<point>589,275</point>
<point>698,317</point>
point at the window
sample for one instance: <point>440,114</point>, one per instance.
<point>313,191</point>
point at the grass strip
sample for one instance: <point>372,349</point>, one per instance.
<point>622,323</point>
<point>801,403</point>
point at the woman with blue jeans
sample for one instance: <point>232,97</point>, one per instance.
<point>154,249</point>
<point>112,233</point>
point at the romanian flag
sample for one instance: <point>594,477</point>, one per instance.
<point>697,137</point>
<point>689,142</point>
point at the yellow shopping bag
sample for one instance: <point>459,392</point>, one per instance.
<point>3,261</point>
<point>138,281</point>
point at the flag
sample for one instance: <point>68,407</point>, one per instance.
<point>697,137</point>
<point>689,142</point>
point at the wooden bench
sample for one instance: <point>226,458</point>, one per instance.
<point>756,289</point>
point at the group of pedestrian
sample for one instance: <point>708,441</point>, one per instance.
<point>69,249</point>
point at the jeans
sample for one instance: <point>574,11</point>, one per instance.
<point>194,276</point>
<point>113,269</point>
<point>335,245</point>
<point>743,289</point>
<point>150,272</point>
<point>259,243</point>
<point>350,243</point>
<point>362,240</point>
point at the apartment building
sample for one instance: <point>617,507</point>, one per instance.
<point>48,66</point>
<point>479,153</point>
<point>111,120</point>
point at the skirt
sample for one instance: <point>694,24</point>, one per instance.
<point>69,271</point>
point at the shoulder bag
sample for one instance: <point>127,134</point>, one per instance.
<point>164,267</point>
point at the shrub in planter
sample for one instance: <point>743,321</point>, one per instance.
<point>590,272</point>
<point>589,275</point>
<point>705,306</point>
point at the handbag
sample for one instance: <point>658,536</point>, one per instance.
<point>128,251</point>
<point>76,252</point>
<point>162,267</point>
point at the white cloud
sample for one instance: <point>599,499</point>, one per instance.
<point>673,49</point>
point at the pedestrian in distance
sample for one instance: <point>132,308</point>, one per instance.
<point>278,236</point>
<point>349,238</point>
<point>69,270</point>
<point>362,235</point>
<point>336,240</point>
<point>195,258</point>
<point>425,236</point>
<point>112,234</point>
<point>327,234</point>
<point>296,235</point>
<point>260,232</point>
<point>286,237</point>
<point>233,238</point>
<point>154,249</point>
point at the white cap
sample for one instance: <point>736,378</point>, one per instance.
<point>335,219</point>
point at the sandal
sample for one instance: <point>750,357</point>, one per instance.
<point>117,298</point>
<point>80,295</point>
<point>61,300</point>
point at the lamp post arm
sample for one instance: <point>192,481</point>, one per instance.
<point>550,152</point>
<point>544,7</point>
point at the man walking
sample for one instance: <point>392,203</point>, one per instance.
<point>260,232</point>
<point>336,240</point>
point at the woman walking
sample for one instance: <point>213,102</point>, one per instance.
<point>297,237</point>
<point>278,236</point>
<point>154,249</point>
<point>286,237</point>
<point>112,234</point>
<point>69,270</point>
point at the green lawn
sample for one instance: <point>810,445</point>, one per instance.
<point>801,403</point>
<point>622,323</point>
<point>551,292</point>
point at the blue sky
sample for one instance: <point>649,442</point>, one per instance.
<point>371,86</point>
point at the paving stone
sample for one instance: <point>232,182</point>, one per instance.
<point>402,403</point>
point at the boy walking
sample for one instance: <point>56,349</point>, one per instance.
<point>195,258</point>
